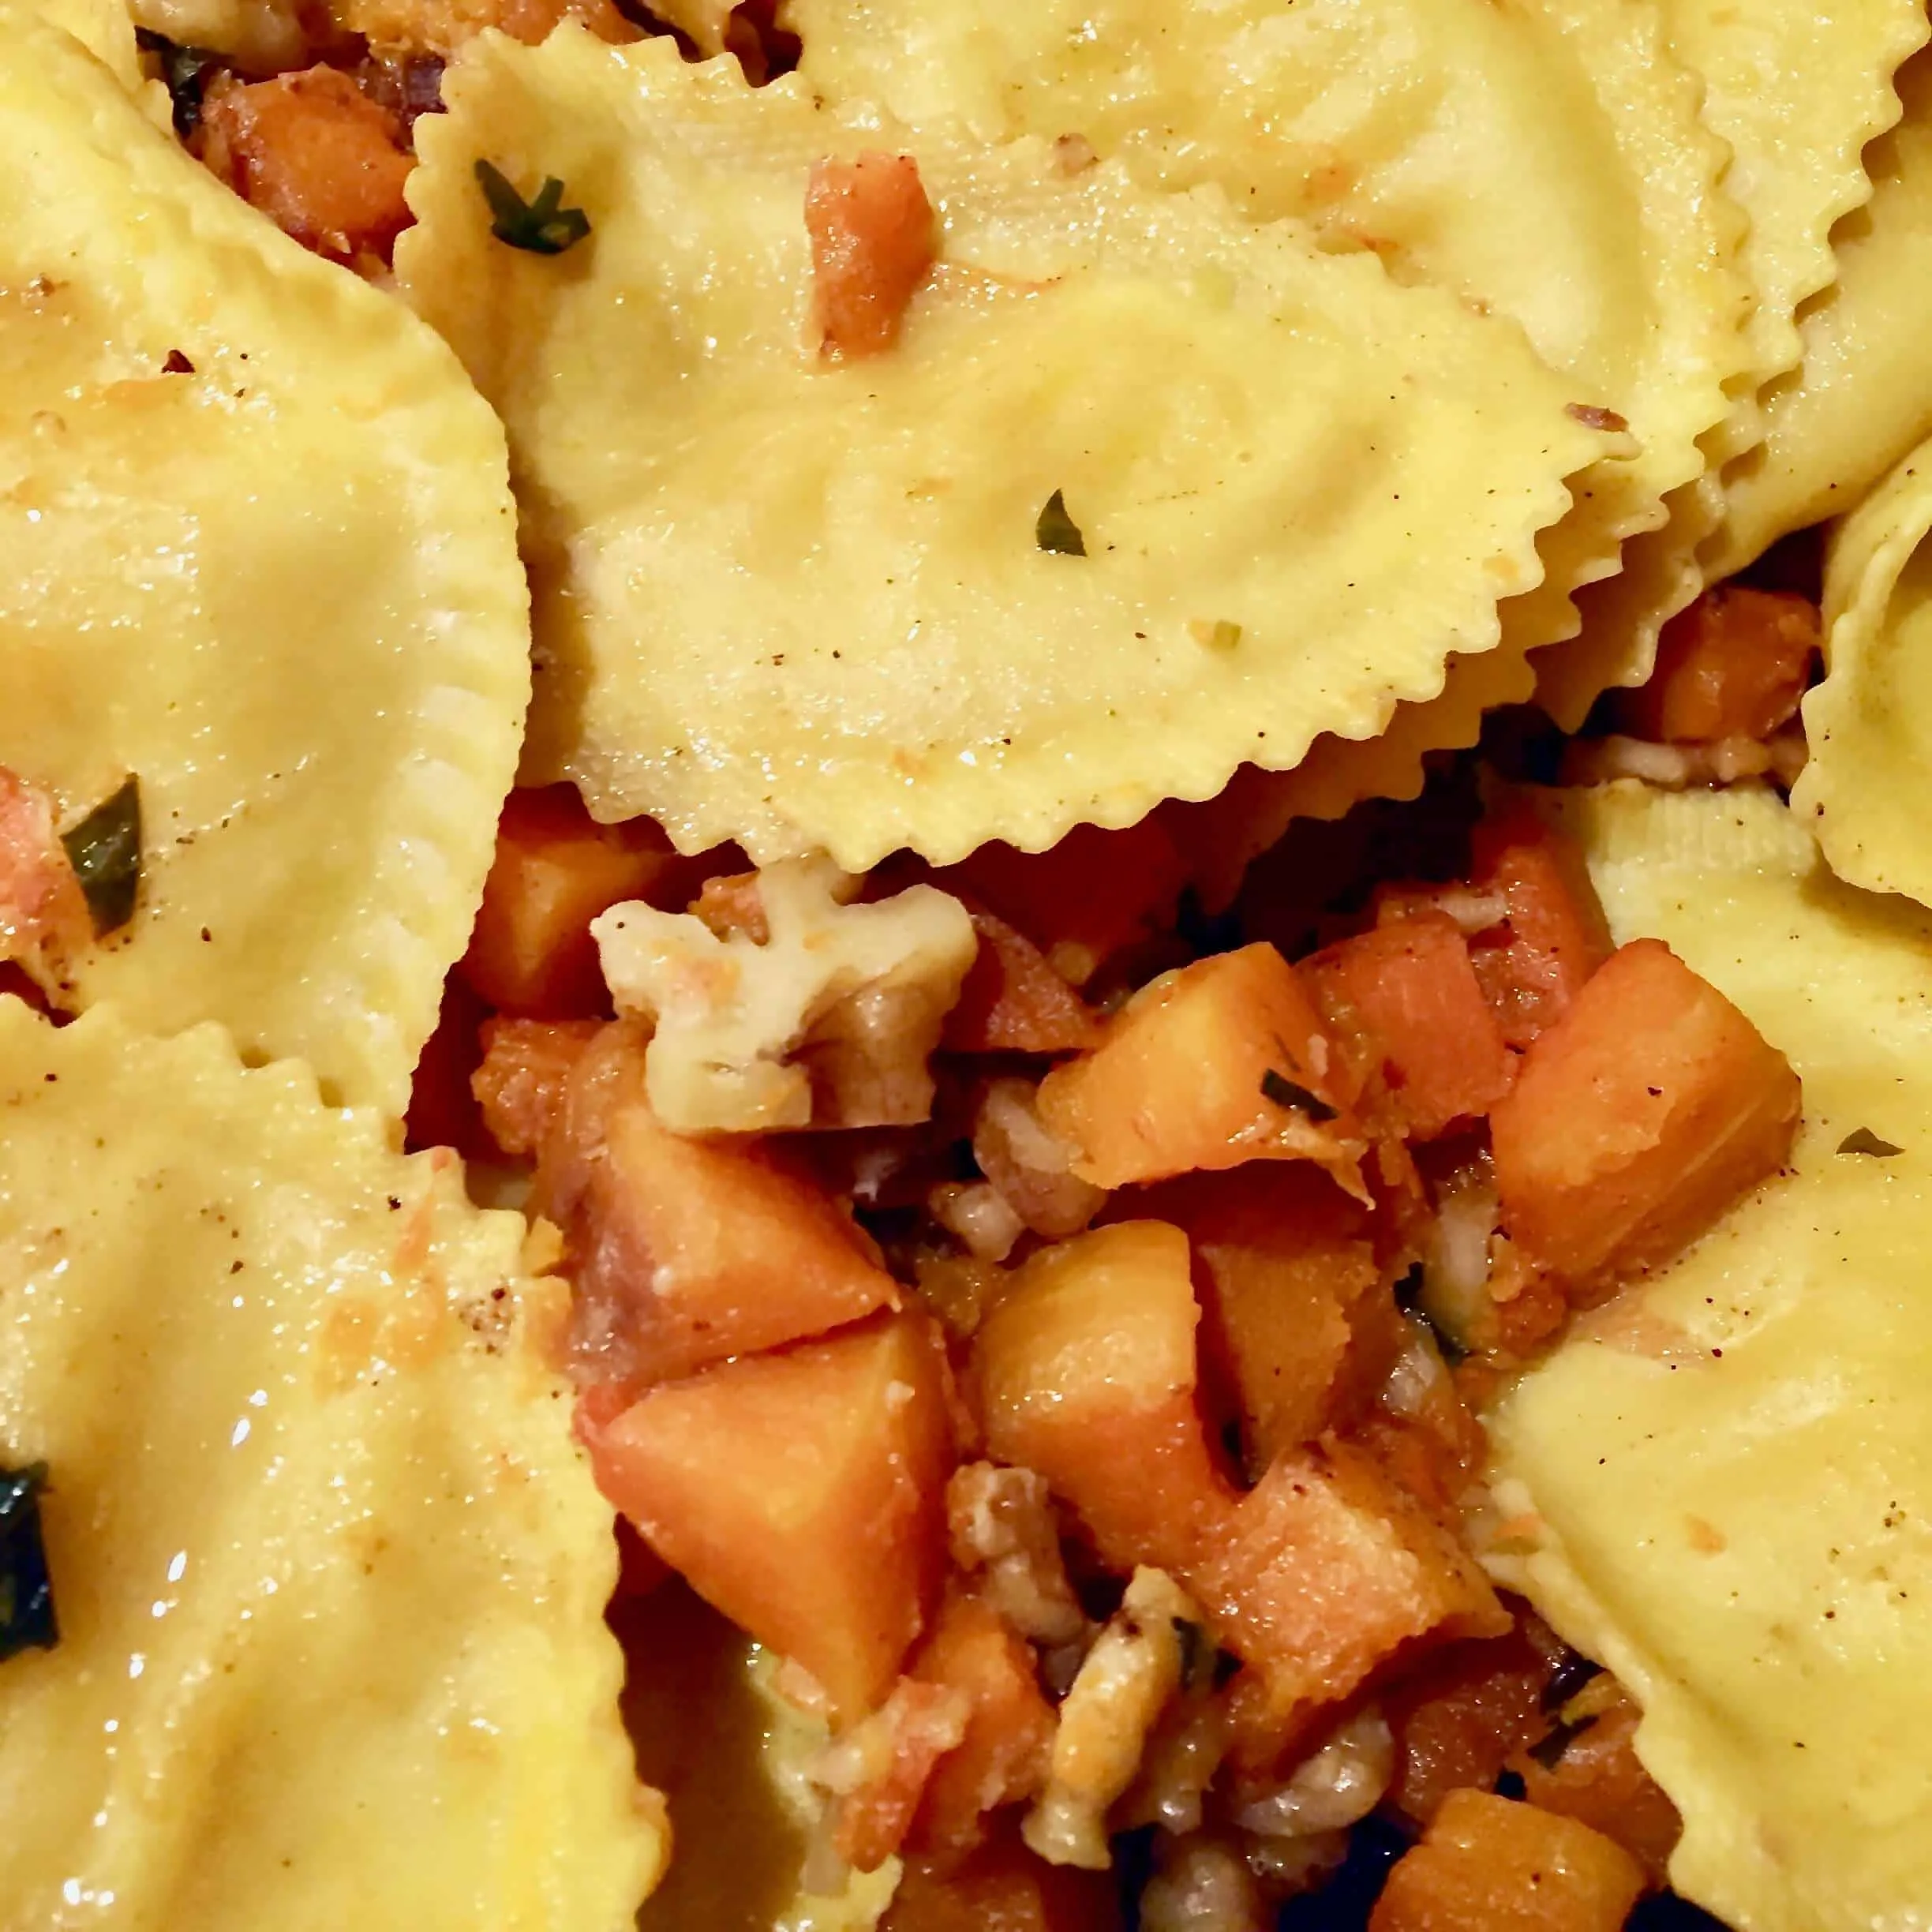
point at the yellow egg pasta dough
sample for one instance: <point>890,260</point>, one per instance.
<point>1546,162</point>
<point>1868,778</point>
<point>1797,90</point>
<point>257,550</point>
<point>1733,1477</point>
<point>1862,397</point>
<point>800,604</point>
<point>329,1570</point>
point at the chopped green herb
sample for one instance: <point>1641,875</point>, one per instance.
<point>1567,1679</point>
<point>181,71</point>
<point>1055,531</point>
<point>542,226</point>
<point>104,850</point>
<point>1862,1140</point>
<point>27,1619</point>
<point>1548,1751</point>
<point>1196,1653</point>
<point>1285,1093</point>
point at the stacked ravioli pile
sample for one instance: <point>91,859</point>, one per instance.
<point>1393,360</point>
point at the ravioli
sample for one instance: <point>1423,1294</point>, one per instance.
<point>1862,397</point>
<point>803,605</point>
<point>329,1569</point>
<point>1868,724</point>
<point>1796,90</point>
<point>1734,1479</point>
<point>1544,161</point>
<point>280,586</point>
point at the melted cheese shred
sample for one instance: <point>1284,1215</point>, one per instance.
<point>1733,1479</point>
<point>280,586</point>
<point>1869,723</point>
<point>329,1569</point>
<point>1545,161</point>
<point>1861,398</point>
<point>803,605</point>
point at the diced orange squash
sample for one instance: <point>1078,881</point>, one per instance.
<point>324,162</point>
<point>556,869</point>
<point>1638,1119</point>
<point>1004,1756</point>
<point>803,1493</point>
<point>1433,1453</point>
<point>1012,1001</point>
<point>1405,1000</point>
<point>1459,1716</point>
<point>1595,1777</point>
<point>1553,935</point>
<point>1213,1064</point>
<point>1324,1571</point>
<point>526,1066</point>
<point>1002,1887</point>
<point>871,229</point>
<point>1084,900</point>
<point>1489,1864</point>
<point>685,1251</point>
<point>1287,1275</point>
<point>443,1112</point>
<point>919,1723</point>
<point>1734,664</point>
<point>1085,1372</point>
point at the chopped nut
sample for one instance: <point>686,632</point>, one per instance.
<point>828,1021</point>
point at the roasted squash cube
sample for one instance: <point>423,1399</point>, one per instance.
<point>1217,1063</point>
<point>1086,1372</point>
<point>1286,1273</point>
<point>1002,1887</point>
<point>1734,665</point>
<point>1012,1001</point>
<point>1552,935</point>
<point>1638,1119</point>
<point>688,1250</point>
<point>1404,1000</point>
<point>1489,1864</point>
<point>526,1067</point>
<point>803,1493</point>
<point>1009,1729</point>
<point>1324,1571</point>
<point>555,870</point>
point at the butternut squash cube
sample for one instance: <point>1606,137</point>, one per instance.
<point>1004,1756</point>
<point>555,870</point>
<point>1489,1864</point>
<point>688,1250</point>
<point>1002,1887</point>
<point>801,1493</point>
<point>1553,934</point>
<point>1012,1001</point>
<point>1638,1119</point>
<point>1217,1063</point>
<point>1405,999</point>
<point>1085,1370</point>
<point>1286,1271</point>
<point>1734,665</point>
<point>1324,1571</point>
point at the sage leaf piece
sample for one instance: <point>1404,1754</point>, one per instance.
<point>1055,531</point>
<point>1287,1093</point>
<point>27,1618</point>
<point>105,851</point>
<point>1862,1140</point>
<point>542,226</point>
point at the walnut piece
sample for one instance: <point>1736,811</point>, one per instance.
<point>828,1022</point>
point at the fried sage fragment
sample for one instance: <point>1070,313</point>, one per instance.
<point>331,1570</point>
